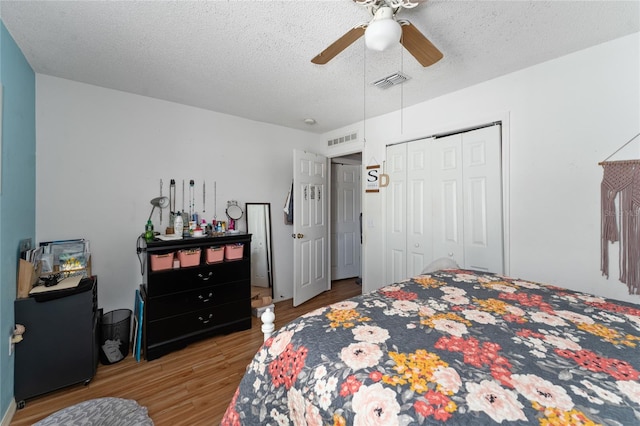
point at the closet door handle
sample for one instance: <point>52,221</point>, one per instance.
<point>207,277</point>
<point>205,321</point>
<point>207,298</point>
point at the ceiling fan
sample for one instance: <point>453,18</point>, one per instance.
<point>383,31</point>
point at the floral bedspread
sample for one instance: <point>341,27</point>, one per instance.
<point>457,347</point>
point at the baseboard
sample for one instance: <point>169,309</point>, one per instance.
<point>8,416</point>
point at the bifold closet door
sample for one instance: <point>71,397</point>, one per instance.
<point>396,200</point>
<point>467,186</point>
<point>482,177</point>
<point>409,210</point>
<point>448,207</point>
<point>444,199</point>
<point>419,207</point>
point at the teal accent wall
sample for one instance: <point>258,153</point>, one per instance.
<point>18,191</point>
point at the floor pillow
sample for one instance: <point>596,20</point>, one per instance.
<point>100,412</point>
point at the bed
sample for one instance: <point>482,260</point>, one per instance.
<point>455,346</point>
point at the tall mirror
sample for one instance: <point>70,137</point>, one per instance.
<point>259,226</point>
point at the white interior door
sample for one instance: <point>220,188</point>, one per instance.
<point>345,219</point>
<point>310,226</point>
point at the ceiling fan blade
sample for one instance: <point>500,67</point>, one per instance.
<point>339,45</point>
<point>392,3</point>
<point>419,46</point>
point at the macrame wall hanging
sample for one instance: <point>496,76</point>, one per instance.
<point>621,179</point>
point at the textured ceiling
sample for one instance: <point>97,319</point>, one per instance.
<point>252,58</point>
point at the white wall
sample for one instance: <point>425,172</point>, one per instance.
<point>101,154</point>
<point>100,157</point>
<point>563,117</point>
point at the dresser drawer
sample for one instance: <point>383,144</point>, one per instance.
<point>185,279</point>
<point>192,323</point>
<point>206,297</point>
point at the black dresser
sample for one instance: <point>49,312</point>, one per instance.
<point>60,344</point>
<point>191,303</point>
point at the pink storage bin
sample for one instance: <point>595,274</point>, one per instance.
<point>160,262</point>
<point>233,251</point>
<point>189,257</point>
<point>215,254</point>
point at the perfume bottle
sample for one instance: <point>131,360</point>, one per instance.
<point>148,231</point>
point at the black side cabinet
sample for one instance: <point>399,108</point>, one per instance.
<point>60,344</point>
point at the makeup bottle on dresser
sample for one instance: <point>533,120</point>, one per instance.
<point>178,225</point>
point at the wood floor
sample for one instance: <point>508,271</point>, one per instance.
<point>192,386</point>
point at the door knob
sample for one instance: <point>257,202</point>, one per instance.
<point>300,235</point>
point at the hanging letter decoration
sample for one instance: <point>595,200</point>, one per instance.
<point>373,178</point>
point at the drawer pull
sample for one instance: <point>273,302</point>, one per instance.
<point>208,297</point>
<point>206,278</point>
<point>205,321</point>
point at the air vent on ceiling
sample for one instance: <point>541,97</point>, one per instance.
<point>342,139</point>
<point>391,80</point>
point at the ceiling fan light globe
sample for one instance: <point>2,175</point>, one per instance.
<point>382,34</point>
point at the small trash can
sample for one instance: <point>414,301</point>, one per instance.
<point>114,342</point>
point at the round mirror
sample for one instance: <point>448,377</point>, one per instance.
<point>234,212</point>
